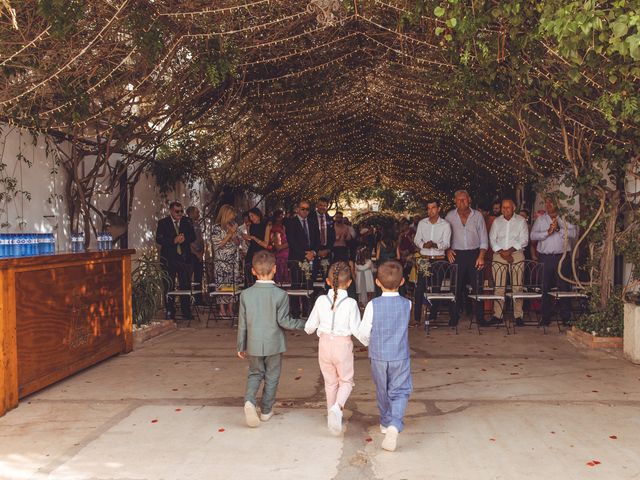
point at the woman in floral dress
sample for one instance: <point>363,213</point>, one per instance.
<point>226,267</point>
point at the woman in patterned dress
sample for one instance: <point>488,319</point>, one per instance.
<point>225,240</point>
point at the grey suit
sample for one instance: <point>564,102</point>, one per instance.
<point>264,313</point>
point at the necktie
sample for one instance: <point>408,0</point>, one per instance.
<point>323,230</point>
<point>306,231</point>
<point>176,225</point>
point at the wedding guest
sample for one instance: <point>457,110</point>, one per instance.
<point>225,242</point>
<point>175,234</point>
<point>387,248</point>
<point>322,222</point>
<point>280,247</point>
<point>258,237</point>
<point>342,238</point>
<point>553,235</point>
<point>433,238</point>
<point>243,230</point>
<point>469,245</point>
<point>508,238</point>
<point>365,286</point>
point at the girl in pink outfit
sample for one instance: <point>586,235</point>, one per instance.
<point>336,317</point>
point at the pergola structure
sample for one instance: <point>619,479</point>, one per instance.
<point>286,96</point>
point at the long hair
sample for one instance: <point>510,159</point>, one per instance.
<point>340,274</point>
<point>225,215</point>
<point>258,213</point>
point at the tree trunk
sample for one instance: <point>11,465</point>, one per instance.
<point>608,239</point>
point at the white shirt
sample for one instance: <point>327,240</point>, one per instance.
<point>364,333</point>
<point>506,234</point>
<point>439,233</point>
<point>347,316</point>
<point>470,236</point>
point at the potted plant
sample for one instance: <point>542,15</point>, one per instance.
<point>147,282</point>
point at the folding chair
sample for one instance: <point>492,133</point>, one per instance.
<point>440,287</point>
<point>486,291</point>
<point>225,288</point>
<point>575,294</point>
<point>526,284</point>
<point>196,289</point>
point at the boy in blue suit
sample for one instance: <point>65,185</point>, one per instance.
<point>385,329</point>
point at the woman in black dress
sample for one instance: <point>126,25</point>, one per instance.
<point>258,238</point>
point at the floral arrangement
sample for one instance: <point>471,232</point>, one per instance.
<point>423,265</point>
<point>307,267</point>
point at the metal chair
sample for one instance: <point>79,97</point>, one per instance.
<point>225,288</point>
<point>440,287</point>
<point>485,290</point>
<point>575,294</point>
<point>196,289</point>
<point>526,284</point>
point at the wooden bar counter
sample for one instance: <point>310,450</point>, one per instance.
<point>59,314</point>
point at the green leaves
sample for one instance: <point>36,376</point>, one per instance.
<point>439,12</point>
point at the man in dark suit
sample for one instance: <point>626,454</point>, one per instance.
<point>322,223</point>
<point>175,235</point>
<point>303,242</point>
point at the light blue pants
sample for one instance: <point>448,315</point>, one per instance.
<point>265,369</point>
<point>393,387</point>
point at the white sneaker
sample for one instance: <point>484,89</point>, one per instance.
<point>264,417</point>
<point>383,429</point>
<point>334,420</point>
<point>390,441</point>
<point>251,414</point>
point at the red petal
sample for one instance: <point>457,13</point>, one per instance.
<point>297,378</point>
<point>368,439</point>
<point>178,409</point>
<point>484,369</point>
<point>591,464</point>
<point>594,391</point>
<point>596,462</point>
<point>154,421</point>
<point>221,429</point>
<point>492,439</point>
<point>553,433</point>
<point>613,437</point>
<point>174,389</point>
<point>588,376</point>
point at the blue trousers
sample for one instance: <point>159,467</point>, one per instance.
<point>393,387</point>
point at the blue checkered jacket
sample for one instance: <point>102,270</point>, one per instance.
<point>390,329</point>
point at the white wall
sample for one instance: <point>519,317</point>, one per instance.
<point>46,211</point>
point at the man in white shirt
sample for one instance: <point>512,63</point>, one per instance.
<point>508,236</point>
<point>433,236</point>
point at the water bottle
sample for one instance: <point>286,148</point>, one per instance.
<point>29,243</point>
<point>100,238</point>
<point>42,243</point>
<point>81,242</point>
<point>51,243</point>
<point>109,240</point>
<point>4,245</point>
<point>22,245</point>
<point>74,243</point>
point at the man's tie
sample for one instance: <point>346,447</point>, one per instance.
<point>323,230</point>
<point>306,231</point>
<point>176,225</point>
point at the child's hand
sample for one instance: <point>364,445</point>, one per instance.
<point>242,354</point>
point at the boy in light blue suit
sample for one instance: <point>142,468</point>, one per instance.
<point>264,313</point>
<point>385,329</point>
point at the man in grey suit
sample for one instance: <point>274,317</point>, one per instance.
<point>264,313</point>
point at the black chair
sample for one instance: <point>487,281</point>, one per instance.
<point>525,285</point>
<point>576,293</point>
<point>225,288</point>
<point>440,286</point>
<point>485,290</point>
<point>192,293</point>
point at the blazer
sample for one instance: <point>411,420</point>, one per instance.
<point>165,237</point>
<point>331,232</point>
<point>297,240</point>
<point>264,313</point>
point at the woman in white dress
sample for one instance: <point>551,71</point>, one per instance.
<point>364,276</point>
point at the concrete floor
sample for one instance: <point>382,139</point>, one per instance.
<point>484,407</point>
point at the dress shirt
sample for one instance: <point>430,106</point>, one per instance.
<point>554,243</point>
<point>305,227</point>
<point>506,234</point>
<point>265,281</point>
<point>439,232</point>
<point>347,316</point>
<point>471,236</point>
<point>364,332</point>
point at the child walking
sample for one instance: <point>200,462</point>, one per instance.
<point>385,329</point>
<point>264,313</point>
<point>336,317</point>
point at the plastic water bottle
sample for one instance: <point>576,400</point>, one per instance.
<point>101,242</point>
<point>74,243</point>
<point>22,245</point>
<point>81,242</point>
<point>4,245</point>
<point>30,244</point>
<point>109,240</point>
<point>51,243</point>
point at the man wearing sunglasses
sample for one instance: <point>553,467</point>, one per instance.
<point>174,235</point>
